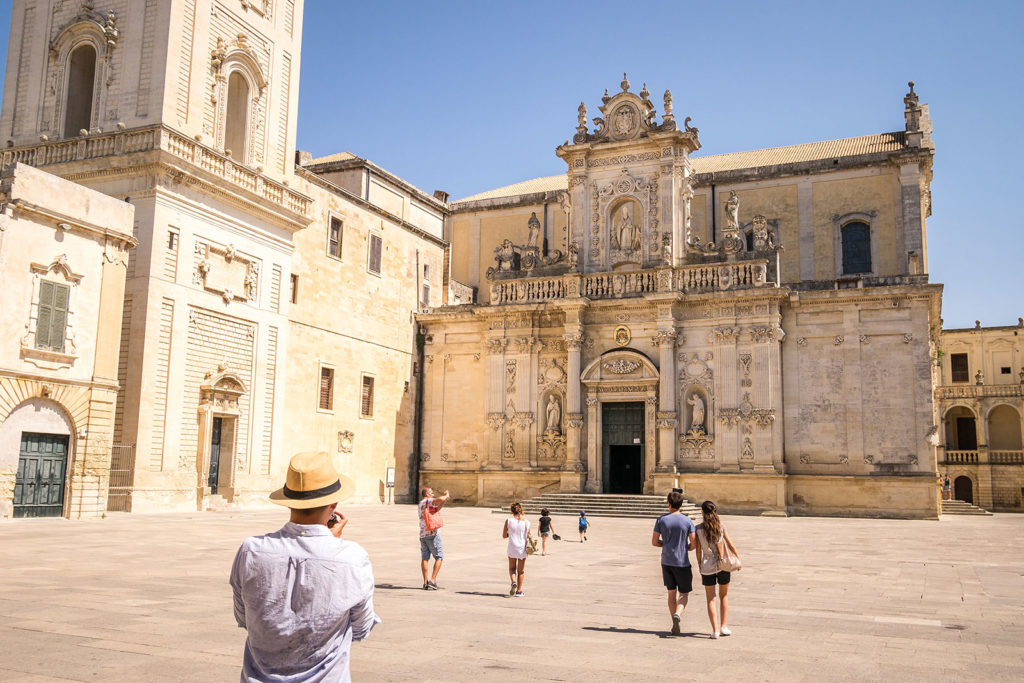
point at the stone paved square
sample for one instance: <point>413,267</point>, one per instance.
<point>145,598</point>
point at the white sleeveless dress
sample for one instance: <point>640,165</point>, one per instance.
<point>517,532</point>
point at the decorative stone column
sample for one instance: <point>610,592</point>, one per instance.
<point>667,420</point>
<point>574,346</point>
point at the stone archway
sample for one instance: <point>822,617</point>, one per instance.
<point>37,443</point>
<point>620,376</point>
<point>219,414</point>
<point>961,427</point>
<point>963,489</point>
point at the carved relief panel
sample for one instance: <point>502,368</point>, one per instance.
<point>225,271</point>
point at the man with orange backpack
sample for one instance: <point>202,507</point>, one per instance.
<point>430,535</point>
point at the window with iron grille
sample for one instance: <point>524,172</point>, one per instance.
<point>52,317</point>
<point>958,364</point>
<point>366,404</point>
<point>326,388</point>
<point>334,238</point>
<point>856,248</point>
<point>376,244</point>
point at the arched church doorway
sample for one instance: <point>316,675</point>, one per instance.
<point>963,489</point>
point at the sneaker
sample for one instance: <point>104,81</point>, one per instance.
<point>725,631</point>
<point>512,590</point>
<point>520,594</point>
<point>675,625</point>
<point>714,635</point>
<point>431,585</point>
<point>426,586</point>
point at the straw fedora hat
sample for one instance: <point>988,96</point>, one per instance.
<point>311,482</point>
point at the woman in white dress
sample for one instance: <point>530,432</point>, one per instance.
<point>517,529</point>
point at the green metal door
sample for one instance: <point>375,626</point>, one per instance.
<point>39,484</point>
<point>622,447</point>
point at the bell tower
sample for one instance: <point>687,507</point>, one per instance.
<point>223,72</point>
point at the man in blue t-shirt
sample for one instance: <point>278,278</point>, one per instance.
<point>674,533</point>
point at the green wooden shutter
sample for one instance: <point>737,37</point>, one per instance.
<point>59,321</point>
<point>51,321</point>
<point>45,314</point>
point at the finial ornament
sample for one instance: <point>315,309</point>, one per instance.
<point>625,83</point>
<point>645,93</point>
<point>668,103</point>
<point>581,114</point>
<point>605,97</point>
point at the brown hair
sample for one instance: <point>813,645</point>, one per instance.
<point>516,508</point>
<point>712,524</point>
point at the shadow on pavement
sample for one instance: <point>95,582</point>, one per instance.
<point>392,587</point>
<point>660,634</point>
<point>486,595</point>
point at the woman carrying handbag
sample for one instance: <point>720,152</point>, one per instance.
<point>517,531</point>
<point>717,559</point>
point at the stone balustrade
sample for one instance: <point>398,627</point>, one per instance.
<point>961,457</point>
<point>980,391</point>
<point>1006,457</point>
<point>710,277</point>
<point>165,139</point>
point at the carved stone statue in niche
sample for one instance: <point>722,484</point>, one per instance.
<point>627,233</point>
<point>554,416</point>
<point>697,419</point>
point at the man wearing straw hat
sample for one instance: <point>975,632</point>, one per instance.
<point>302,593</point>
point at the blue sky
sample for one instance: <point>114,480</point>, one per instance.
<point>467,96</point>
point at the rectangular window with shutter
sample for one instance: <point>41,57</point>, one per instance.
<point>958,364</point>
<point>425,296</point>
<point>326,388</point>
<point>52,318</point>
<point>366,404</point>
<point>376,245</point>
<point>334,238</point>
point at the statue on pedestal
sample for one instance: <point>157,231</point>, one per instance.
<point>697,419</point>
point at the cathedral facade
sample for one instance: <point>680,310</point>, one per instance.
<point>758,328</point>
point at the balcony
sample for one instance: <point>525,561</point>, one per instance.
<point>696,279</point>
<point>980,391</point>
<point>163,139</point>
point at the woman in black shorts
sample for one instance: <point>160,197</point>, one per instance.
<point>709,532</point>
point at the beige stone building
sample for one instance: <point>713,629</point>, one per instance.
<point>62,264</point>
<point>268,308</point>
<point>757,326</point>
<point>980,399</point>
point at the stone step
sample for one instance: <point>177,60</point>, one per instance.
<point>600,505</point>
<point>960,507</point>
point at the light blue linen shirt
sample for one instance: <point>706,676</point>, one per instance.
<point>303,596</point>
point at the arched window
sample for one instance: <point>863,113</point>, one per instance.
<point>237,116</point>
<point>750,241</point>
<point>856,248</point>
<point>81,75</point>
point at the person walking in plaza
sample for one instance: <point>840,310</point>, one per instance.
<point>546,530</point>
<point>710,533</point>
<point>430,535</point>
<point>674,534</point>
<point>584,525</point>
<point>302,593</point>
<point>947,487</point>
<point>517,530</point>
